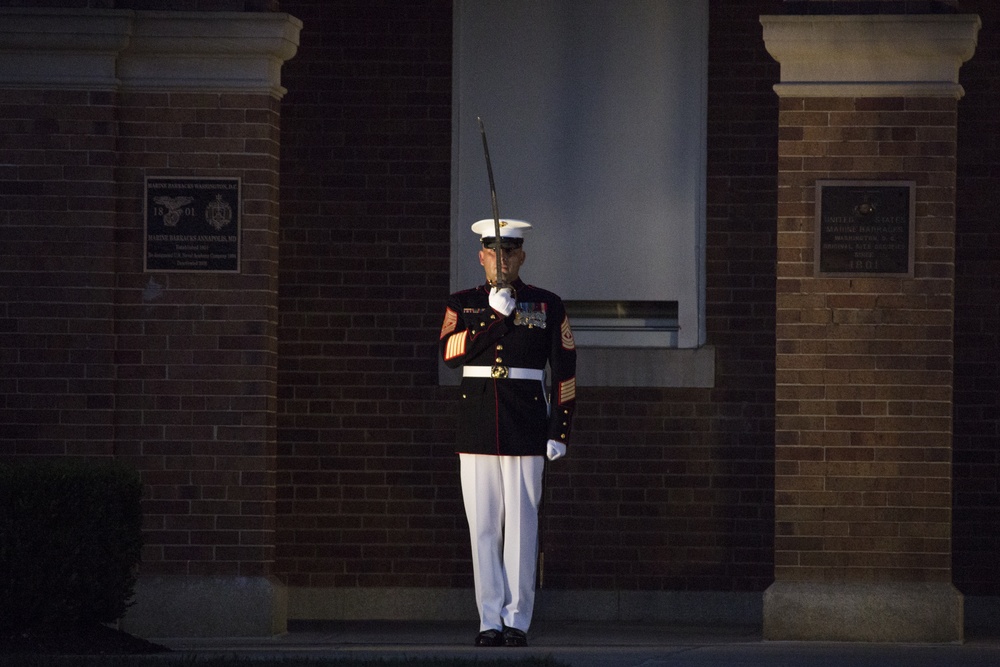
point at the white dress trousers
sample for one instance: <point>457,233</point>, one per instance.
<point>501,495</point>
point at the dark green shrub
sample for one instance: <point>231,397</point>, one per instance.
<point>70,540</point>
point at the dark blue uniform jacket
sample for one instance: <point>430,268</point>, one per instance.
<point>505,416</point>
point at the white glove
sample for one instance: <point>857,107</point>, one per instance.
<point>502,300</point>
<point>555,449</point>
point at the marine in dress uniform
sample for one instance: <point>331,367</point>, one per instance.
<point>511,419</point>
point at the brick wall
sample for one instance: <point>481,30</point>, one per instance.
<point>196,353</point>
<point>863,431</point>
<point>171,372</point>
<point>152,5</point>
<point>57,262</point>
<point>367,483</point>
<point>977,317</point>
<point>663,489</point>
<point>192,5</point>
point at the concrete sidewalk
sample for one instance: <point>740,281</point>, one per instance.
<point>592,644</point>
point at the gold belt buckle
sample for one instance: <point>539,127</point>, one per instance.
<point>499,372</point>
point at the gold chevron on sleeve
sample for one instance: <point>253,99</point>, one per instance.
<point>567,391</point>
<point>456,345</point>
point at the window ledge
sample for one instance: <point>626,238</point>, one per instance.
<point>645,367</point>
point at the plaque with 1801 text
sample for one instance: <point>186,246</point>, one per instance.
<point>192,224</point>
<point>864,228</point>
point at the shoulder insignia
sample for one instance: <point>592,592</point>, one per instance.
<point>450,322</point>
<point>567,335</point>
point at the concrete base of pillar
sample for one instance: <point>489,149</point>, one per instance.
<point>199,606</point>
<point>883,612</point>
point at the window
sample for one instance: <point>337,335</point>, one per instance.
<point>627,323</point>
<point>595,115</point>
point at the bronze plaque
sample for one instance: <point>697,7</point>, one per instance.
<point>864,228</point>
<point>192,224</point>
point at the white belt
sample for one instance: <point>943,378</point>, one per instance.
<point>503,372</point>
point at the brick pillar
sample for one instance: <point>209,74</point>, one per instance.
<point>864,362</point>
<point>173,372</point>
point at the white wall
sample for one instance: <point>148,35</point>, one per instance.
<point>595,114</point>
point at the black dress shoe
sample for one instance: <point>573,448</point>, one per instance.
<point>489,638</point>
<point>514,637</point>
